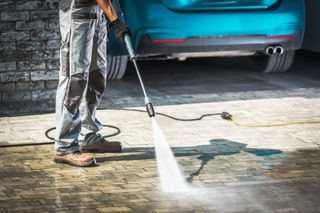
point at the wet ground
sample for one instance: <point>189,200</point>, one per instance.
<point>230,168</point>
<point>224,180</point>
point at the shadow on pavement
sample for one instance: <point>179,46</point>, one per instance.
<point>217,147</point>
<point>213,79</point>
<point>196,80</point>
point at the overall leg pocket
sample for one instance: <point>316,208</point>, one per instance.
<point>83,3</point>
<point>81,39</point>
<point>83,16</point>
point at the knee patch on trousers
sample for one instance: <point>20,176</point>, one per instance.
<point>96,86</point>
<point>75,90</point>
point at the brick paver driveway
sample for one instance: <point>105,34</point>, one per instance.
<point>230,168</point>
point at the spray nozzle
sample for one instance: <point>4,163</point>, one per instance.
<point>150,110</point>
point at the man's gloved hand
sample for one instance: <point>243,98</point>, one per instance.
<point>120,29</point>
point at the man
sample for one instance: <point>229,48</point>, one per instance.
<point>82,79</point>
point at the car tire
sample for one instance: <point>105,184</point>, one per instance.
<point>274,63</point>
<point>116,67</point>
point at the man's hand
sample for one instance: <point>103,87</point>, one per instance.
<point>120,29</point>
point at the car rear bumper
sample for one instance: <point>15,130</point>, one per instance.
<point>253,43</point>
<point>210,31</point>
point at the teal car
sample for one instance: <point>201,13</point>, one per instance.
<point>271,30</point>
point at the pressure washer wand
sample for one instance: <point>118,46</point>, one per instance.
<point>148,104</point>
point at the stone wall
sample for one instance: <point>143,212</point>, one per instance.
<point>29,55</point>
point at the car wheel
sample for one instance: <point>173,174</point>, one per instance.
<point>273,63</point>
<point>116,67</point>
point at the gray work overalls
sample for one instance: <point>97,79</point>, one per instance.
<point>82,77</point>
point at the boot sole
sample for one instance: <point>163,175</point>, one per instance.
<point>63,161</point>
<point>101,151</point>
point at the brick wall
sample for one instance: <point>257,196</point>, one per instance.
<point>29,55</point>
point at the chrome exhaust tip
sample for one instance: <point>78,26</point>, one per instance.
<point>270,50</point>
<point>278,50</point>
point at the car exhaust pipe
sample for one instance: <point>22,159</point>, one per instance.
<point>270,50</point>
<point>278,50</point>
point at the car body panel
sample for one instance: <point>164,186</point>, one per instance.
<point>312,36</point>
<point>247,43</point>
<point>154,20</point>
<point>187,5</point>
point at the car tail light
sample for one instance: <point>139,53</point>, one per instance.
<point>280,37</point>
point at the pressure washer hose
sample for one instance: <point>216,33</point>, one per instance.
<point>224,115</point>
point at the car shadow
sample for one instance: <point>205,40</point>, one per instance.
<point>208,152</point>
<point>212,80</point>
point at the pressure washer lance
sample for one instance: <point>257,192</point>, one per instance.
<point>148,104</point>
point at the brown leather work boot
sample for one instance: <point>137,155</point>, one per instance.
<point>76,159</point>
<point>103,146</point>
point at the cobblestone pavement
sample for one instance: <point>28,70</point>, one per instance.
<point>231,169</point>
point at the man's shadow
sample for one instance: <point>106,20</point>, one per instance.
<point>217,147</point>
<point>225,147</point>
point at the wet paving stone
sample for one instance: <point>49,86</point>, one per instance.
<point>245,181</point>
